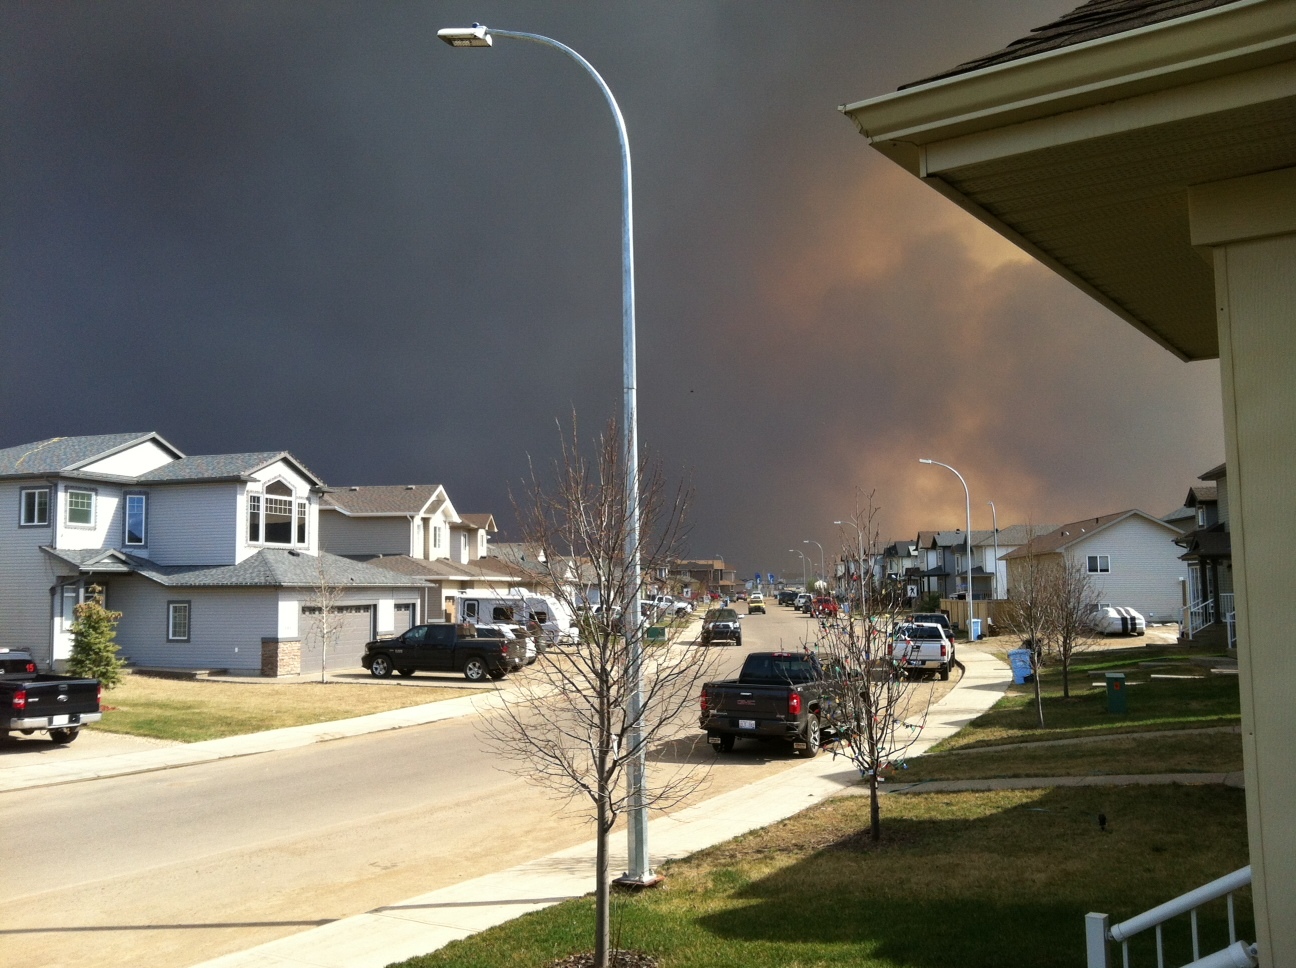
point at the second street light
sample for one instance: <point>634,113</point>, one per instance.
<point>823,572</point>
<point>639,871</point>
<point>805,583</point>
<point>967,536</point>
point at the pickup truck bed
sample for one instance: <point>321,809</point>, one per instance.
<point>58,705</point>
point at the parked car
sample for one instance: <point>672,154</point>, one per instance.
<point>920,648</point>
<point>824,607</point>
<point>721,625</point>
<point>444,647</point>
<point>1118,620</point>
<point>788,596</point>
<point>756,604</point>
<point>503,631</point>
<point>777,695</point>
<point>933,618</point>
<point>56,705</point>
<point>802,603</point>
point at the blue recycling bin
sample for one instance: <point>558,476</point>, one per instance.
<point>1020,660</point>
<point>975,629</point>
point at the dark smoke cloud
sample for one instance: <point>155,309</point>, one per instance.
<point>313,227</point>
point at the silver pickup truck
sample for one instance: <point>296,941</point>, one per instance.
<point>921,647</point>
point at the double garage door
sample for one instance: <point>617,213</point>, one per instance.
<point>353,627</point>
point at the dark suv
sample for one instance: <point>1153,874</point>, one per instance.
<point>444,647</point>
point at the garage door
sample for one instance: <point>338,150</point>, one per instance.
<point>404,618</point>
<point>355,624</point>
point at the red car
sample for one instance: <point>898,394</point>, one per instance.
<point>822,606</point>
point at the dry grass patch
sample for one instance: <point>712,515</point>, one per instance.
<point>189,711</point>
<point>1205,753</point>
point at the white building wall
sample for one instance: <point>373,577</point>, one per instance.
<point>193,524</point>
<point>105,532</point>
<point>132,462</point>
<point>342,535</point>
<point>26,576</point>
<point>226,624</point>
<point>1145,567</point>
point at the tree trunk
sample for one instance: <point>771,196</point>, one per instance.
<point>1066,671</point>
<point>1039,698</point>
<point>602,900</point>
<point>875,814</point>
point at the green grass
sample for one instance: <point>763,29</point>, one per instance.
<point>189,711</point>
<point>1205,753</point>
<point>1154,704</point>
<point>977,879</point>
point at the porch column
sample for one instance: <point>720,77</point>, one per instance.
<point>1247,228</point>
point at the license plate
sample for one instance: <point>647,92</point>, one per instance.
<point>58,720</point>
<point>746,724</point>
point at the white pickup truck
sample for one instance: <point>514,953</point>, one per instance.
<point>922,647</point>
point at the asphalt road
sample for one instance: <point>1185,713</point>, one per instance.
<point>169,869</point>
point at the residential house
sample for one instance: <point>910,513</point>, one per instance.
<point>942,562</point>
<point>1208,551</point>
<point>991,546</point>
<point>1146,152</point>
<point>213,560</point>
<point>1129,557</point>
<point>415,531</point>
<point>899,565</point>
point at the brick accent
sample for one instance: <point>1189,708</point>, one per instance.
<point>280,657</point>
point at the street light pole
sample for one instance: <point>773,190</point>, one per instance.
<point>823,571</point>
<point>860,564</point>
<point>967,536</point>
<point>804,559</point>
<point>995,515</point>
<point>639,872</point>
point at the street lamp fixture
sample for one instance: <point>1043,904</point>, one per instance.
<point>967,535</point>
<point>995,514</point>
<point>639,871</point>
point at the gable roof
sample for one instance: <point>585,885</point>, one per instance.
<point>1060,539</point>
<point>1015,534</point>
<point>269,567</point>
<point>385,499</point>
<point>480,522</point>
<point>222,467</point>
<point>1202,494</point>
<point>1215,473</point>
<point>63,454</point>
<point>1089,21</point>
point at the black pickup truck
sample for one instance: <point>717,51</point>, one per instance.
<point>444,647</point>
<point>777,695</point>
<point>31,701</point>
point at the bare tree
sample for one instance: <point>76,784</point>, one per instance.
<point>1072,599</point>
<point>877,711</point>
<point>324,604</point>
<point>1028,612</point>
<point>569,720</point>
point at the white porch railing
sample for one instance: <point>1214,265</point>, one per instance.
<point>1230,618</point>
<point>1238,954</point>
<point>1197,616</point>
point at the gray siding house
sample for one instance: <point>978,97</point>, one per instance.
<point>213,560</point>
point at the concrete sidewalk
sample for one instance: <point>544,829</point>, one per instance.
<point>428,922</point>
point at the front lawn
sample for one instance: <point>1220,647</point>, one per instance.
<point>1154,703</point>
<point>189,711</point>
<point>970,879</point>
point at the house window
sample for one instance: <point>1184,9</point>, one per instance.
<point>177,621</point>
<point>254,517</point>
<point>136,520</point>
<point>34,505</point>
<point>80,507</point>
<point>274,517</point>
<point>301,522</point>
<point>436,536</point>
<point>1099,564</point>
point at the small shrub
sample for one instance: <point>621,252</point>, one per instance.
<point>94,644</point>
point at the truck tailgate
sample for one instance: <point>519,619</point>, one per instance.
<point>54,696</point>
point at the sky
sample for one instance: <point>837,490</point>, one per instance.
<point>313,227</point>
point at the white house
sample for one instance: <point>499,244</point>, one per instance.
<point>213,560</point>
<point>1130,557</point>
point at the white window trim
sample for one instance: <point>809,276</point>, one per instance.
<point>172,608</point>
<point>94,509</point>
<point>297,506</point>
<point>22,507</point>
<point>126,501</point>
<point>1096,566</point>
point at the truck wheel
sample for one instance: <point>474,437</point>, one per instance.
<point>64,736</point>
<point>474,669</point>
<point>726,743</point>
<point>738,641</point>
<point>811,737</point>
<point>944,673</point>
<point>381,667</point>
